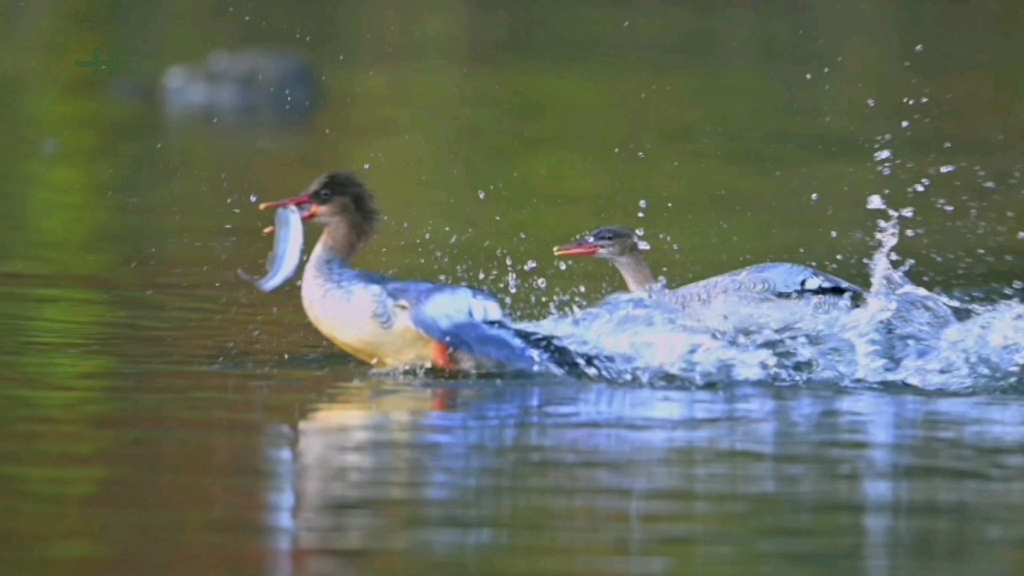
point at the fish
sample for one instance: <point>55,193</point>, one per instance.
<point>286,256</point>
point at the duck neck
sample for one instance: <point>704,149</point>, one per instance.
<point>339,243</point>
<point>635,272</point>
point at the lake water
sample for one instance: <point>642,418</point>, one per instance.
<point>160,416</point>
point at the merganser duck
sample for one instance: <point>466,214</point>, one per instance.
<point>772,279</point>
<point>392,323</point>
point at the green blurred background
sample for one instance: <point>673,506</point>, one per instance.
<point>725,118</point>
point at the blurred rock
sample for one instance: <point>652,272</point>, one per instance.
<point>249,86</point>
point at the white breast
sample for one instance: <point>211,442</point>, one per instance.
<point>362,320</point>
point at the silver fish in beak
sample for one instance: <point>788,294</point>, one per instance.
<point>286,257</point>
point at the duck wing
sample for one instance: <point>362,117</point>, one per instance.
<point>472,323</point>
<point>778,279</point>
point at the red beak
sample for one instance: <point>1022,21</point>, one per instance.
<point>303,202</point>
<point>297,201</point>
<point>581,248</point>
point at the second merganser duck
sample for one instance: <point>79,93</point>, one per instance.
<point>772,279</point>
<point>391,323</point>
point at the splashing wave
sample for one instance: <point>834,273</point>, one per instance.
<point>901,333</point>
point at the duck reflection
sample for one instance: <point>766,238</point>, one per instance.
<point>558,477</point>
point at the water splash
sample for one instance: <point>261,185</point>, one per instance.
<point>900,333</point>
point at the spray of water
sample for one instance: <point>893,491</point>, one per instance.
<point>901,333</point>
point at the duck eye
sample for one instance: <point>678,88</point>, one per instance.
<point>323,195</point>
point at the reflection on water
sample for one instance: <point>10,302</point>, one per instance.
<point>51,410</point>
<point>594,479</point>
<point>134,450</point>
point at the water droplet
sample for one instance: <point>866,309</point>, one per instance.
<point>905,124</point>
<point>530,265</point>
<point>948,208</point>
<point>871,102</point>
<point>809,76</point>
<point>640,154</point>
<point>639,231</point>
<point>561,265</point>
<point>1017,284</point>
<point>643,204</point>
<point>252,198</point>
<point>1020,235</point>
<point>481,194</point>
<point>541,283</point>
<point>919,48</point>
<point>833,233</point>
<point>814,197</point>
<point>947,169</point>
<point>883,155</point>
<point>640,214</point>
<point>918,187</point>
<point>875,202</point>
<point>643,245</point>
<point>989,184</point>
<point>947,145</point>
<point>366,166</point>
